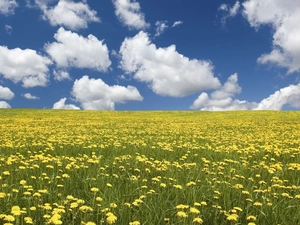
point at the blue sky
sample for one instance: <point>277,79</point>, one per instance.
<point>150,55</point>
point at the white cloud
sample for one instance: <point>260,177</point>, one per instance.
<point>222,99</point>
<point>73,50</point>
<point>94,94</point>
<point>129,13</point>
<point>167,72</point>
<point>285,96</point>
<point>4,104</point>
<point>25,66</point>
<point>161,26</point>
<point>177,23</point>
<point>7,7</point>
<point>230,11</point>
<point>73,15</point>
<point>30,96</point>
<point>8,29</point>
<point>61,75</point>
<point>61,104</point>
<point>6,93</point>
<point>284,17</point>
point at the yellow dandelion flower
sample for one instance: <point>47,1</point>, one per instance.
<point>197,220</point>
<point>181,206</point>
<point>113,205</point>
<point>257,204</point>
<point>135,223</point>
<point>251,217</point>
<point>22,182</point>
<point>94,189</point>
<point>194,210</point>
<point>109,185</point>
<point>111,218</point>
<point>9,218</point>
<point>90,223</point>
<point>232,217</point>
<point>28,220</point>
<point>16,211</point>
<point>182,214</point>
<point>163,185</point>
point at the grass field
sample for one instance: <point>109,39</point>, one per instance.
<point>99,167</point>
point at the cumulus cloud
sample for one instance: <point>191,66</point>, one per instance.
<point>283,17</point>
<point>6,93</point>
<point>61,75</point>
<point>285,96</point>
<point>161,26</point>
<point>73,15</point>
<point>167,72</point>
<point>229,11</point>
<point>25,66</point>
<point>4,104</point>
<point>73,50</point>
<point>129,13</point>
<point>94,94</point>
<point>222,99</point>
<point>7,7</point>
<point>177,23</point>
<point>30,96</point>
<point>61,104</point>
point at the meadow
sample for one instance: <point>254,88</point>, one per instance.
<point>152,167</point>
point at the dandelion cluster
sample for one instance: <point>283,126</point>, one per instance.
<point>90,167</point>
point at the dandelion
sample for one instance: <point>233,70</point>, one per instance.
<point>16,211</point>
<point>257,204</point>
<point>109,185</point>
<point>28,220</point>
<point>182,214</point>
<point>135,223</point>
<point>251,218</point>
<point>232,217</point>
<point>197,220</point>
<point>94,189</point>
<point>9,218</point>
<point>194,210</point>
<point>111,218</point>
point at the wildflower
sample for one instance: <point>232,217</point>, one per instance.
<point>203,203</point>
<point>194,210</point>
<point>182,214</point>
<point>181,206</point>
<point>6,173</point>
<point>233,217</point>
<point>28,220</point>
<point>257,204</point>
<point>111,218</point>
<point>178,186</point>
<point>163,185</point>
<point>197,220</point>
<point>32,208</point>
<point>90,223</point>
<point>135,223</point>
<point>113,205</point>
<point>16,211</point>
<point>99,199</point>
<point>94,189</point>
<point>74,205</point>
<point>22,182</point>
<point>9,218</point>
<point>109,185</point>
<point>251,217</point>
